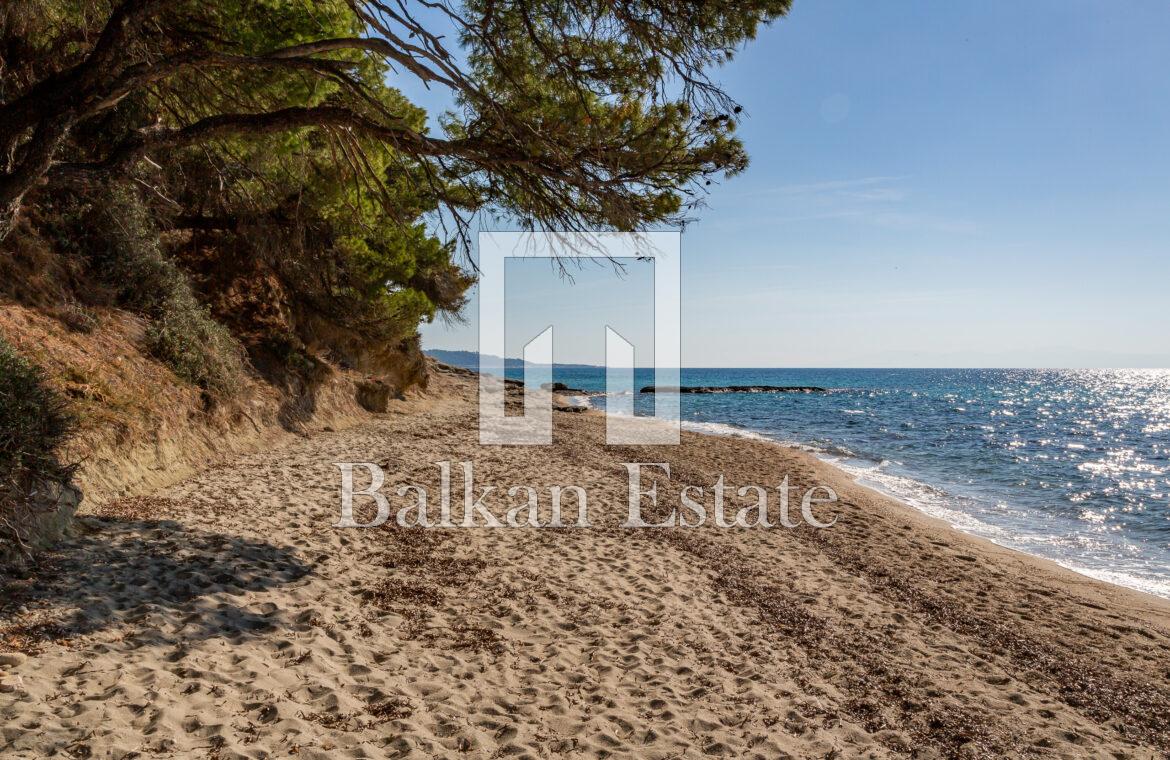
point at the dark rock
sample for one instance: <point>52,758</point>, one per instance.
<point>561,388</point>
<point>374,395</point>
<point>739,389</point>
<point>451,369</point>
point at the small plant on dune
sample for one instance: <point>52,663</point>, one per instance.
<point>34,423</point>
<point>77,317</point>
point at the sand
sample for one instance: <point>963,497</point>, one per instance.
<point>223,617</point>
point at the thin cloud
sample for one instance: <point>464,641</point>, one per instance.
<point>861,185</point>
<point>878,201</point>
<point>913,222</point>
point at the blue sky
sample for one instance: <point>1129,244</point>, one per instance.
<point>932,184</point>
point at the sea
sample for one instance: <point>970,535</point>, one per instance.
<point>1069,465</point>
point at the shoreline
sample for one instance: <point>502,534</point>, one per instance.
<point>729,430</point>
<point>224,616</point>
<point>1047,564</point>
<point>1087,573</point>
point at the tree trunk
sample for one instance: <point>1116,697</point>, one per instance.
<point>8,218</point>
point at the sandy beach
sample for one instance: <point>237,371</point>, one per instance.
<point>868,291</point>
<point>224,617</point>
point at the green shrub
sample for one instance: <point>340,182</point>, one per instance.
<point>127,254</point>
<point>182,333</point>
<point>34,423</point>
<point>200,350</point>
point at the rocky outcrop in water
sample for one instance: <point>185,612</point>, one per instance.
<point>739,389</point>
<point>562,388</point>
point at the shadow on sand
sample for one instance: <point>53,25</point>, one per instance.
<point>171,584</point>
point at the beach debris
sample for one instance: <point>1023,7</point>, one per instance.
<point>391,708</point>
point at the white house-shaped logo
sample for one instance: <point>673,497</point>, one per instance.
<point>534,427</point>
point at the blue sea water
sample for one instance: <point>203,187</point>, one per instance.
<point>1071,465</point>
